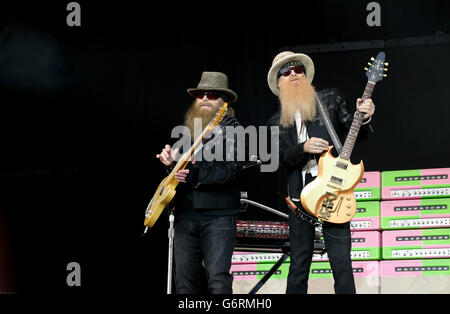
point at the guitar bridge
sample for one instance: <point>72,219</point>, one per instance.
<point>327,206</point>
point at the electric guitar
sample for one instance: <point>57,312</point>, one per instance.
<point>330,197</point>
<point>167,188</point>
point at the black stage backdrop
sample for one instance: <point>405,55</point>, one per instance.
<point>84,110</point>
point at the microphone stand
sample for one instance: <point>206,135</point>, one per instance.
<point>171,234</point>
<point>267,208</point>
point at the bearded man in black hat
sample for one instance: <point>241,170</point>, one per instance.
<point>303,137</point>
<point>208,200</point>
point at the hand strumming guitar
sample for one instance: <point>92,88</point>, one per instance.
<point>168,157</point>
<point>315,145</point>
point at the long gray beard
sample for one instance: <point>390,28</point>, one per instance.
<point>300,98</point>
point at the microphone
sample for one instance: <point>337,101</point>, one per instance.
<point>254,161</point>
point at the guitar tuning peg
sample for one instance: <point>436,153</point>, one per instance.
<point>366,69</point>
<point>369,63</point>
<point>386,63</point>
<point>385,69</point>
<point>372,59</point>
<point>384,75</point>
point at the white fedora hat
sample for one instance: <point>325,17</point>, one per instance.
<point>281,59</point>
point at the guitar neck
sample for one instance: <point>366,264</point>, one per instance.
<point>186,157</point>
<point>356,125</point>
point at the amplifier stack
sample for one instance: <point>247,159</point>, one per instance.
<point>415,218</point>
<point>400,240</point>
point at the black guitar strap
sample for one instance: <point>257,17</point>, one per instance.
<point>301,213</point>
<point>326,120</point>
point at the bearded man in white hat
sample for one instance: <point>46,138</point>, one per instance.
<point>208,199</point>
<point>303,137</point>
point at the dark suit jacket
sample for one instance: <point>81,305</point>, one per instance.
<point>213,185</point>
<point>292,156</point>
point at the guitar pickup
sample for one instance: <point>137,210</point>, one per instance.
<point>341,165</point>
<point>336,180</point>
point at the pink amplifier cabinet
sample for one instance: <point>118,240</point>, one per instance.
<point>246,276</point>
<point>415,184</point>
<point>415,214</point>
<point>367,216</point>
<point>369,188</point>
<point>366,274</point>
<point>366,245</point>
<point>256,257</point>
<point>412,244</point>
<point>431,276</point>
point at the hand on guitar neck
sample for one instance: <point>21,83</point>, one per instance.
<point>367,107</point>
<point>168,158</point>
<point>317,145</point>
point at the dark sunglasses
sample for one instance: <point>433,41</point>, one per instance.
<point>286,71</point>
<point>209,95</point>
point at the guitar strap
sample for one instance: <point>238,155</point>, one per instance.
<point>301,213</point>
<point>326,120</point>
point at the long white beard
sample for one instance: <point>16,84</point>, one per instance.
<point>301,97</point>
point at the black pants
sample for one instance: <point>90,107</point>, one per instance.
<point>203,250</point>
<point>338,245</point>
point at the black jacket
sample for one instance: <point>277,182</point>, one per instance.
<point>292,156</point>
<point>213,185</point>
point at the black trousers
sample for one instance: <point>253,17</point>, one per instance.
<point>338,245</point>
<point>203,250</point>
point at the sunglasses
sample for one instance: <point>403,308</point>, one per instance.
<point>209,95</point>
<point>286,71</point>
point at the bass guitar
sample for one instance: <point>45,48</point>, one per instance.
<point>167,188</point>
<point>330,196</point>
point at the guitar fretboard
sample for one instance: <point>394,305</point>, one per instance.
<point>356,125</point>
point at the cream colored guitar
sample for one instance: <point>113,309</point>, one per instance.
<point>330,196</point>
<point>167,188</point>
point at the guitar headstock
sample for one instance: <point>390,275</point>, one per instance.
<point>377,68</point>
<point>219,115</point>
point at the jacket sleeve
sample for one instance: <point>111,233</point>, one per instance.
<point>293,156</point>
<point>220,171</point>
